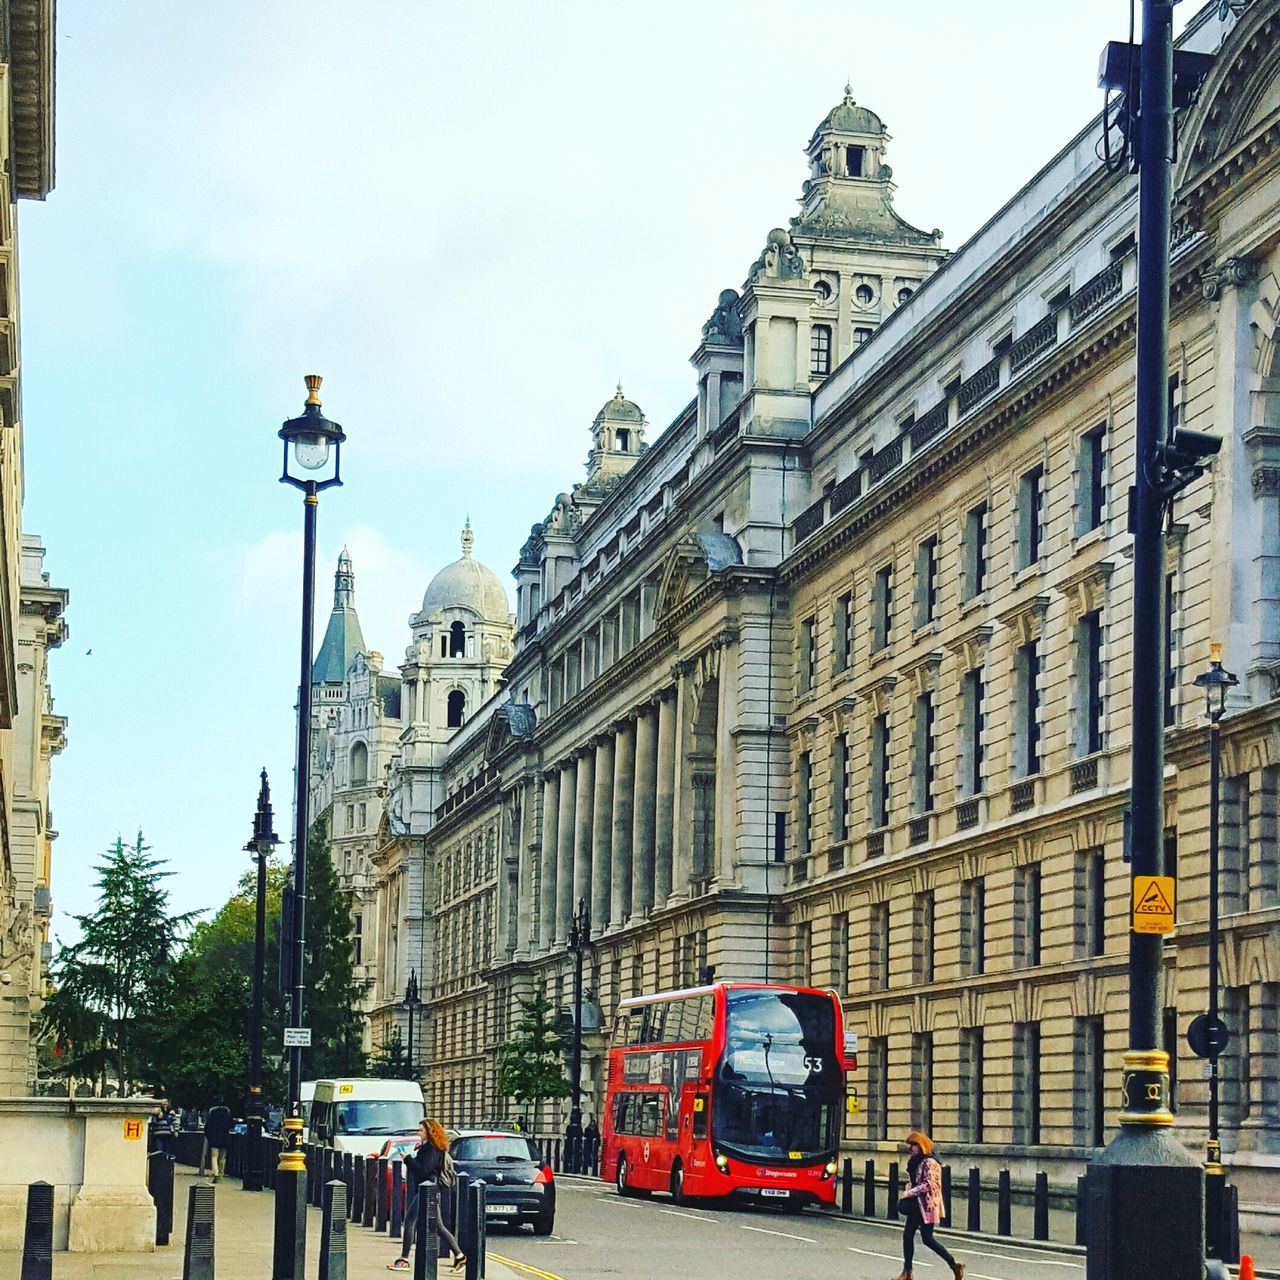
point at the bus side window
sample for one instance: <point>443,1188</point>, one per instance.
<point>651,1115</point>
<point>700,1115</point>
<point>621,1116</point>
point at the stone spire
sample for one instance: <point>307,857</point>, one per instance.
<point>468,539</point>
<point>342,637</point>
<point>344,583</point>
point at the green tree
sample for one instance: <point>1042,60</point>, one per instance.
<point>114,986</point>
<point>531,1063</point>
<point>389,1060</point>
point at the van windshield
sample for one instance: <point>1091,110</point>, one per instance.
<point>378,1115</point>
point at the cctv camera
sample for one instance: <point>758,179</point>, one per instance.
<point>1187,448</point>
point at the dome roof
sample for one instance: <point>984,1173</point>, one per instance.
<point>467,584</point>
<point>848,117</point>
<point>620,409</point>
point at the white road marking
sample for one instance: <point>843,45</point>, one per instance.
<point>952,1233</point>
<point>786,1235</point>
<point>676,1213</point>
<point>871,1253</point>
<point>1010,1257</point>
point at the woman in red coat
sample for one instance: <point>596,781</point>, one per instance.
<point>924,1205</point>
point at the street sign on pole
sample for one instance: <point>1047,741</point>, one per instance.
<point>1208,1036</point>
<point>297,1037</point>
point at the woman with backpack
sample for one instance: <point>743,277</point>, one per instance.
<point>921,1205</point>
<point>430,1161</point>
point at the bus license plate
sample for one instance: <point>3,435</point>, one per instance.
<point>773,1191</point>
<point>501,1210</point>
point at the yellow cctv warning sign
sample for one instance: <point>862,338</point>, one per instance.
<point>1154,904</point>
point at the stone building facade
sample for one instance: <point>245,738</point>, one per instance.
<point>30,610</point>
<point>830,681</point>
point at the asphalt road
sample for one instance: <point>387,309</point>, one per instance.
<point>599,1234</point>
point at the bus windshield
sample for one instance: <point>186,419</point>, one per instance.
<point>779,1080</point>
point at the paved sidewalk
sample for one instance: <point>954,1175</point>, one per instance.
<point>242,1245</point>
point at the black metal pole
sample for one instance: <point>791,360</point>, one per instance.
<point>253,1136</point>
<point>1145,1175</point>
<point>1215,1175</point>
<point>408,1062</point>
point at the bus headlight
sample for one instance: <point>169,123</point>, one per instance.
<point>722,1163</point>
<point>830,1170</point>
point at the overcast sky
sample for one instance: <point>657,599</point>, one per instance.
<point>472,219</point>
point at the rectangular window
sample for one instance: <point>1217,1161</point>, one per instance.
<point>1091,903</point>
<point>1089,706</point>
<point>1091,465</point>
<point>878,946</point>
<point>1237,1061</point>
<point>973,926</point>
<point>808,654</point>
<point>923,925</point>
<point>1234,843</point>
<point>1026,1083</point>
<point>878,1088</point>
<point>357,938</point>
<point>969,1111</point>
<point>1169,1043</point>
<point>840,953</point>
<point>804,805</point>
<point>926,602</point>
<point>862,335</point>
<point>1175,403</point>
<point>922,1080</point>
<point>803,951</point>
<point>1026,692</point>
<point>840,789</point>
<point>1090,1083</point>
<point>972,722</point>
<point>881,607</point>
<point>1030,516</point>
<point>922,774</point>
<point>1026,915</point>
<point>843,636</point>
<point>819,350</point>
<point>975,551</point>
<point>1171,652</point>
<point>880,769</point>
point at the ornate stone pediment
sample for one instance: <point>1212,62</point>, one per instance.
<point>880,694</point>
<point>509,723</point>
<point>1026,619</point>
<point>971,646</point>
<point>923,673</point>
<point>1086,590</point>
<point>691,562</point>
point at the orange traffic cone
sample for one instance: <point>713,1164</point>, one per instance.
<point>1246,1268</point>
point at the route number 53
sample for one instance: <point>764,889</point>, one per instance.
<point>813,1065</point>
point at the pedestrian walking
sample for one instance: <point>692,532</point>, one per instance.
<point>921,1205</point>
<point>430,1161</point>
<point>217,1129</point>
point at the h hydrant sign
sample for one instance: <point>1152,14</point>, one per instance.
<point>1154,904</point>
<point>297,1037</point>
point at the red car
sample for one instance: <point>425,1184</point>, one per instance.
<point>393,1150</point>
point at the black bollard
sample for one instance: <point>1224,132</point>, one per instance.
<point>382,1205</point>
<point>356,1207</point>
<point>975,1199</point>
<point>37,1240</point>
<point>160,1185</point>
<point>289,1240</point>
<point>348,1174</point>
<point>1004,1205</point>
<point>370,1198</point>
<point>426,1254</point>
<point>1040,1221</point>
<point>892,1212</point>
<point>309,1155</point>
<point>946,1196</point>
<point>869,1189</point>
<point>333,1232</point>
<point>460,1196</point>
<point>846,1187</point>
<point>1080,1230</point>
<point>397,1200</point>
<point>475,1253</point>
<point>197,1258</point>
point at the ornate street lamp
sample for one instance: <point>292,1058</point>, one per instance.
<point>579,945</point>
<point>314,440</point>
<point>261,845</point>
<point>412,1003</point>
<point>1207,1034</point>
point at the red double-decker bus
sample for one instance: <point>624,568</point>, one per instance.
<point>734,1089</point>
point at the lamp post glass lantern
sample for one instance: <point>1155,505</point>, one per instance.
<point>1208,1035</point>
<point>314,442</point>
<point>412,1003</point>
<point>261,845</point>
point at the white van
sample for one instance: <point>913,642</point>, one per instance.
<point>349,1114</point>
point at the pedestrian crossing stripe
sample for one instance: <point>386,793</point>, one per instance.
<point>1154,900</point>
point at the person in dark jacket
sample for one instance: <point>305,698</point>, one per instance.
<point>428,1162</point>
<point>217,1129</point>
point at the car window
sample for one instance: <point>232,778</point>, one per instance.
<point>493,1147</point>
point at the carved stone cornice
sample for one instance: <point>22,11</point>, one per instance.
<point>803,731</point>
<point>971,645</point>
<point>1026,619</point>
<point>923,673</point>
<point>1231,272</point>
<point>1086,589</point>
<point>880,694</point>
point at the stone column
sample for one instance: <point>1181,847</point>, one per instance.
<point>642,824</point>
<point>583,832</point>
<point>602,833</point>
<point>665,796</point>
<point>564,853</point>
<point>547,859</point>
<point>623,815</point>
<point>527,852</point>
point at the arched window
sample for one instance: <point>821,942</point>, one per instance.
<point>457,707</point>
<point>457,641</point>
<point>359,763</point>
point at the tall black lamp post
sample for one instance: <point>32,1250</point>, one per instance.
<point>313,441</point>
<point>261,844</point>
<point>1208,1034</point>
<point>579,945</point>
<point>412,1003</point>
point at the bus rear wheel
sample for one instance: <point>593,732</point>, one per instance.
<point>620,1178</point>
<point>677,1184</point>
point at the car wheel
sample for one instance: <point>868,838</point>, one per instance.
<point>543,1224</point>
